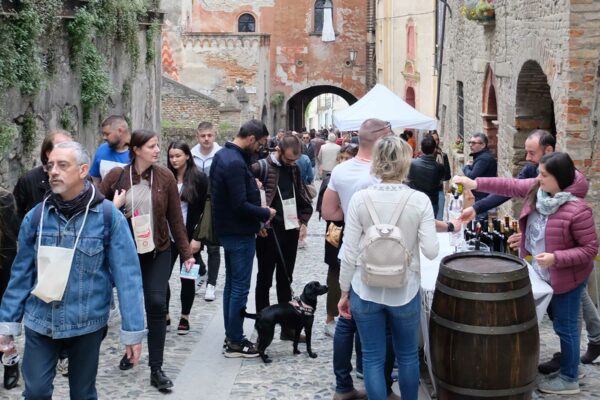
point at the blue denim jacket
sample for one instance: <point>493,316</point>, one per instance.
<point>86,301</point>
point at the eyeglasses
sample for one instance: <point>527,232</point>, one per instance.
<point>471,142</point>
<point>61,165</point>
<point>386,126</point>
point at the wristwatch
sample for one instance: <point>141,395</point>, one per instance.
<point>450,226</point>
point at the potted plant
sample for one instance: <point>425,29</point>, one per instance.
<point>459,145</point>
<point>485,10</point>
<point>468,9</point>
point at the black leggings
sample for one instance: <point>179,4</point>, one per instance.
<point>188,286</point>
<point>155,279</point>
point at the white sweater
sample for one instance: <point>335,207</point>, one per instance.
<point>417,225</point>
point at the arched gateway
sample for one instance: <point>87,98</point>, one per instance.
<point>297,104</point>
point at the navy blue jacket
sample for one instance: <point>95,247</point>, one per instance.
<point>494,200</point>
<point>235,197</point>
<point>484,166</point>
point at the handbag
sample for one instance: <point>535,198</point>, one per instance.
<point>334,234</point>
<point>205,232</point>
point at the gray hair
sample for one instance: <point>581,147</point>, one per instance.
<point>81,154</point>
<point>481,136</point>
<point>332,137</point>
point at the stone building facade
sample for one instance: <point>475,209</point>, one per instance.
<point>535,66</point>
<point>406,51</point>
<point>273,50</point>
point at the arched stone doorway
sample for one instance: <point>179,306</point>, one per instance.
<point>490,111</point>
<point>297,104</point>
<point>534,106</point>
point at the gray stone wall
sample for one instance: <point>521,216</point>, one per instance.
<point>555,40</point>
<point>60,97</point>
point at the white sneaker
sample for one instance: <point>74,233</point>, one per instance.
<point>63,366</point>
<point>330,328</point>
<point>209,295</point>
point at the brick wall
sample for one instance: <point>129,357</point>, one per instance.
<point>182,107</point>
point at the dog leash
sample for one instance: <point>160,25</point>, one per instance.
<point>282,260</point>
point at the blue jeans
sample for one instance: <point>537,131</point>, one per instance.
<point>371,319</point>
<point>441,203</point>
<point>344,339</point>
<point>239,255</point>
<point>39,364</point>
<point>565,319</point>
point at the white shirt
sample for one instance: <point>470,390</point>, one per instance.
<point>348,178</point>
<point>203,162</point>
<point>328,156</point>
<point>535,241</point>
<point>418,227</point>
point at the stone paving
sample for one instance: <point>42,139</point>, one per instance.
<point>288,377</point>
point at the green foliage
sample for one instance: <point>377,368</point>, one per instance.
<point>28,131</point>
<point>8,134</point>
<point>66,120</point>
<point>95,82</point>
<point>151,35</point>
<point>277,99</point>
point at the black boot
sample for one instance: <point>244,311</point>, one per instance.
<point>550,366</point>
<point>125,364</point>
<point>159,380</point>
<point>593,351</point>
<point>11,376</point>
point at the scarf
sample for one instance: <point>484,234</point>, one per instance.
<point>71,207</point>
<point>547,205</point>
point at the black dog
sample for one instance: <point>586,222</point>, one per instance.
<point>297,314</point>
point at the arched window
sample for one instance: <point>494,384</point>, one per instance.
<point>246,23</point>
<point>410,41</point>
<point>320,6</point>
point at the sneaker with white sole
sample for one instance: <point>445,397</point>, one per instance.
<point>63,366</point>
<point>330,328</point>
<point>209,295</point>
<point>557,385</point>
<point>245,349</point>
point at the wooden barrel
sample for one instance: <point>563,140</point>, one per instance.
<point>483,330</point>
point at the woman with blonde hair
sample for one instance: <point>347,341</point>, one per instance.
<point>371,304</point>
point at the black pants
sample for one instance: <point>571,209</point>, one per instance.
<point>213,261</point>
<point>270,261</point>
<point>187,285</point>
<point>156,268</point>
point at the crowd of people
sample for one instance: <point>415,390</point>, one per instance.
<point>123,221</point>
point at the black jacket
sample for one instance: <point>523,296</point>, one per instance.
<point>309,150</point>
<point>235,197</point>
<point>9,223</point>
<point>30,190</point>
<point>484,166</point>
<point>425,175</point>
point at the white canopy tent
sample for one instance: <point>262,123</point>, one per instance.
<point>383,104</point>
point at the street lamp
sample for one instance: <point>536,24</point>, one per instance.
<point>352,54</point>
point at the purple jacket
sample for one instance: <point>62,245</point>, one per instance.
<point>570,231</point>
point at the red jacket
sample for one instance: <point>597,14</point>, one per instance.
<point>570,231</point>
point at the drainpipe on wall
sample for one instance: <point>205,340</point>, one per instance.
<point>441,57</point>
<point>371,77</point>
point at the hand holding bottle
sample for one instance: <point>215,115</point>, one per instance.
<point>467,183</point>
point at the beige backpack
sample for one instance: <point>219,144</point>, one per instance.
<point>383,254</point>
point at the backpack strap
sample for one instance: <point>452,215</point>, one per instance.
<point>400,209</point>
<point>264,170</point>
<point>107,216</point>
<point>371,209</point>
<point>35,222</point>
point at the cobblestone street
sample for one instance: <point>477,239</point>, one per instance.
<point>199,371</point>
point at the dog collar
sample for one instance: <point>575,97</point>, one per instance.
<point>301,307</point>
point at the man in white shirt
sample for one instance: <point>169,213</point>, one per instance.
<point>203,154</point>
<point>346,179</point>
<point>328,155</point>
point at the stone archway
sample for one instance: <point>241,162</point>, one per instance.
<point>297,104</point>
<point>490,111</point>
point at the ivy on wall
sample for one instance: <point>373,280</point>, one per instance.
<point>27,56</point>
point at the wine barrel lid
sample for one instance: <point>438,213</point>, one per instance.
<point>479,266</point>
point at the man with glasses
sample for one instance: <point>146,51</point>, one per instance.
<point>86,242</point>
<point>308,148</point>
<point>286,193</point>
<point>483,164</point>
